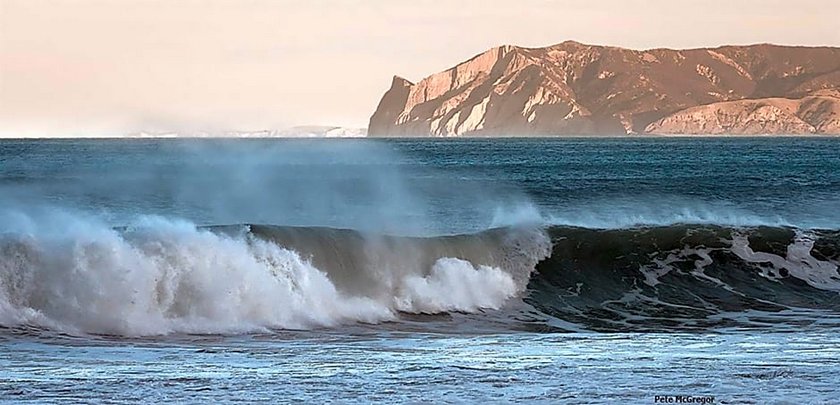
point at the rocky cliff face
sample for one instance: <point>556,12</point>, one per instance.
<point>577,89</point>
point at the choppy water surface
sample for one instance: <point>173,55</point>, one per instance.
<point>418,367</point>
<point>574,270</point>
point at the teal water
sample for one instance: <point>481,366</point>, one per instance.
<point>435,185</point>
<point>619,270</point>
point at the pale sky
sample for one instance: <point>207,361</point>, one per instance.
<point>92,67</point>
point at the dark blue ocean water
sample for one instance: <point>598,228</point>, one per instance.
<point>111,290</point>
<point>435,186</point>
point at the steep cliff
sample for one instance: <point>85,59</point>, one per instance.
<point>572,88</point>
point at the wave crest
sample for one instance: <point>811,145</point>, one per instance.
<point>160,276</point>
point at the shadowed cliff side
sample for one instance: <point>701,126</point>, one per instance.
<point>576,89</point>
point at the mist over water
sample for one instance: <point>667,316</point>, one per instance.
<point>111,237</point>
<point>220,181</point>
<point>430,187</point>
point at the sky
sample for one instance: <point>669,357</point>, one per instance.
<point>111,67</point>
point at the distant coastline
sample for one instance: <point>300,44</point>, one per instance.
<point>303,132</point>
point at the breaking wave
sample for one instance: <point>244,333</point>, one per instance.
<point>162,276</point>
<point>159,276</point>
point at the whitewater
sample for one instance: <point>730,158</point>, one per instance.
<point>158,276</point>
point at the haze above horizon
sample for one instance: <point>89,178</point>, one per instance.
<point>90,67</point>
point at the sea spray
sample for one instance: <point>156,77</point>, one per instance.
<point>159,276</point>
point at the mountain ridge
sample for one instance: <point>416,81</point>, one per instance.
<point>577,89</point>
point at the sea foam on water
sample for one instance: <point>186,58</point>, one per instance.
<point>161,276</point>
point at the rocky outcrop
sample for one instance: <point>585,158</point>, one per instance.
<point>577,89</point>
<point>811,115</point>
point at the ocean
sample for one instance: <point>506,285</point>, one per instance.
<point>571,270</point>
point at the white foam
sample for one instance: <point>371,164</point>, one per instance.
<point>162,276</point>
<point>455,285</point>
<point>798,261</point>
<point>165,277</point>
